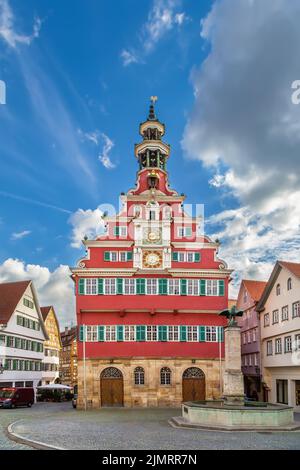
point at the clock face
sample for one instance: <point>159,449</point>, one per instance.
<point>152,259</point>
<point>152,236</point>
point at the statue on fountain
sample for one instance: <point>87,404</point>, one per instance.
<point>231,315</point>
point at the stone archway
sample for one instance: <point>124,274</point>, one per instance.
<point>111,387</point>
<point>193,384</point>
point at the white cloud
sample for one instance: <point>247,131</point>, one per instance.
<point>162,18</point>
<point>86,223</point>
<point>100,138</point>
<point>19,235</point>
<point>244,120</point>
<point>7,27</point>
<point>129,57</point>
<point>54,288</point>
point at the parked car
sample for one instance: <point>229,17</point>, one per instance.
<point>13,397</point>
<point>74,400</point>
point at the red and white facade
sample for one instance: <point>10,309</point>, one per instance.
<point>148,295</point>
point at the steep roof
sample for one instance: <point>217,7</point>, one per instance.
<point>45,311</point>
<point>68,335</point>
<point>255,288</point>
<point>294,269</point>
<point>10,295</point>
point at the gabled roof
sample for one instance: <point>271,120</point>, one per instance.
<point>294,269</point>
<point>254,288</point>
<point>10,295</point>
<point>68,335</point>
<point>45,312</point>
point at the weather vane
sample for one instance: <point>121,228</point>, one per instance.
<point>153,99</point>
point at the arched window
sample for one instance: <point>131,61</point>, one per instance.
<point>278,289</point>
<point>139,376</point>
<point>289,284</point>
<point>165,376</point>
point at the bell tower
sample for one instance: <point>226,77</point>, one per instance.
<point>152,153</point>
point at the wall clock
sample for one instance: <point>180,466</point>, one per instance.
<point>152,259</point>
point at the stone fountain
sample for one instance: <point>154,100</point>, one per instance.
<point>232,412</point>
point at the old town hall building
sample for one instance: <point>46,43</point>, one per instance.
<point>148,294</point>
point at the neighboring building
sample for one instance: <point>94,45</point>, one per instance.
<point>249,294</point>
<point>22,335</point>
<point>149,293</point>
<point>279,309</point>
<point>68,357</point>
<point>52,346</point>
<point>231,303</point>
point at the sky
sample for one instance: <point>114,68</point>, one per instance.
<point>78,82</point>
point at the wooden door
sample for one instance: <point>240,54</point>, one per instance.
<point>111,387</point>
<point>193,385</point>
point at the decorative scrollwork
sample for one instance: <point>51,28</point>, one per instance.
<point>193,373</point>
<point>111,373</point>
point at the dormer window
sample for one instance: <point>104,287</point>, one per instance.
<point>184,232</point>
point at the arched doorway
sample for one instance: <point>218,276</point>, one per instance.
<point>111,384</point>
<point>193,384</point>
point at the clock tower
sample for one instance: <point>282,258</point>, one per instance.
<point>148,294</point>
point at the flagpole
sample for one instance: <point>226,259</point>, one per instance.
<point>84,368</point>
<point>220,360</point>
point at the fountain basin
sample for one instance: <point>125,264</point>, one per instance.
<point>219,415</point>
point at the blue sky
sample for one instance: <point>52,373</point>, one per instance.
<point>78,84</point>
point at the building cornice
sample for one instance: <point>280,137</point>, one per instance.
<point>214,273</point>
<point>108,243</point>
<point>151,312</point>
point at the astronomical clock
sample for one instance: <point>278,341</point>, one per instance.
<point>152,259</point>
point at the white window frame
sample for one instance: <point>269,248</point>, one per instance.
<point>91,286</point>
<point>275,316</point>
<point>110,286</point>
<point>173,333</point>
<point>129,286</point>
<point>212,287</point>
<point>173,286</point>
<point>211,334</point>
<point>110,333</point>
<point>285,313</point>
<point>151,286</point>
<point>113,256</point>
<point>182,232</point>
<point>192,287</point>
<point>151,333</point>
<point>296,308</point>
<point>278,346</point>
<point>129,333</point>
<point>92,333</point>
<point>254,335</point>
<point>121,255</point>
<point>192,333</point>
<point>255,359</point>
<point>248,337</point>
<point>266,319</point>
<point>288,347</point>
<point>181,257</point>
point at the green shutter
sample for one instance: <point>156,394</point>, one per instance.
<point>14,364</point>
<point>107,256</point>
<point>81,333</point>
<point>141,333</point>
<point>196,257</point>
<point>120,333</point>
<point>119,285</point>
<point>117,231</point>
<point>175,256</point>
<point>162,333</point>
<point>183,287</point>
<point>100,286</point>
<point>202,334</point>
<point>202,286</point>
<point>220,334</point>
<point>100,333</point>
<point>140,286</point>
<point>81,286</point>
<point>163,286</point>
<point>183,335</point>
<point>129,256</point>
<point>222,287</point>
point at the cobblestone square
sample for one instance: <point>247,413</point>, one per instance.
<point>60,426</point>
